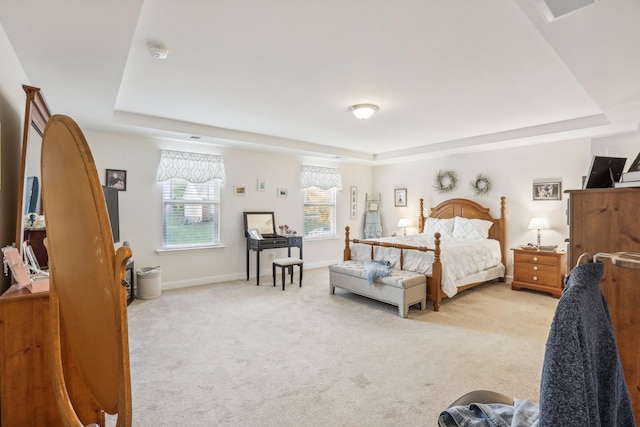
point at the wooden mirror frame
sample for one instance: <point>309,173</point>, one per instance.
<point>36,115</point>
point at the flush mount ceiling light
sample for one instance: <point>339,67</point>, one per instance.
<point>158,51</point>
<point>363,111</point>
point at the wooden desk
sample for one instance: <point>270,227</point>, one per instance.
<point>26,388</point>
<point>288,242</point>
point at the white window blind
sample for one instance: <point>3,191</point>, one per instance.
<point>324,178</point>
<point>319,186</point>
<point>190,199</point>
<point>192,167</point>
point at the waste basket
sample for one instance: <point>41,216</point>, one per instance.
<point>148,282</point>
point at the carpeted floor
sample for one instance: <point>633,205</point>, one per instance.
<point>234,354</point>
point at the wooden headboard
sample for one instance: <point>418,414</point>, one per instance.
<point>472,210</point>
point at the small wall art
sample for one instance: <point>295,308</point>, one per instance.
<point>400,197</point>
<point>353,202</point>
<point>116,178</point>
<point>240,191</point>
<point>262,185</point>
<point>283,192</point>
<point>547,189</point>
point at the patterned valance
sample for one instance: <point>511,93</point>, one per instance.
<point>194,167</point>
<point>324,178</point>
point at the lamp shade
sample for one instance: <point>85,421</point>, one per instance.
<point>363,111</point>
<point>538,224</point>
<point>404,222</point>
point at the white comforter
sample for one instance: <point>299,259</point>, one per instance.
<point>463,261</point>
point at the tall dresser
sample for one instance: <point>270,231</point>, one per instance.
<point>608,220</point>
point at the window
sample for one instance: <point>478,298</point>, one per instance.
<point>190,199</point>
<point>190,213</point>
<point>319,212</point>
<point>319,186</point>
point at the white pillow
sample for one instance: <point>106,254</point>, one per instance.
<point>442,226</point>
<point>483,226</point>
<point>471,229</point>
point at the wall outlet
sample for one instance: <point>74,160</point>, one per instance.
<point>271,255</point>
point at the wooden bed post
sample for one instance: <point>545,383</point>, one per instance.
<point>347,248</point>
<point>503,234</point>
<point>434,285</point>
<point>421,217</point>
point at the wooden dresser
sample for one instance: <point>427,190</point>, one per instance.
<point>539,270</point>
<point>26,388</point>
<point>606,220</point>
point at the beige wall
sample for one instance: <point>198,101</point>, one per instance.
<point>141,206</point>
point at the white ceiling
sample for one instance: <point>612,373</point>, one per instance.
<point>448,75</point>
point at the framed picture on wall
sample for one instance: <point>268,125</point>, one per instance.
<point>353,202</point>
<point>116,178</point>
<point>400,197</point>
<point>551,190</point>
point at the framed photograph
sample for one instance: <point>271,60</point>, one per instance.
<point>117,179</point>
<point>239,191</point>
<point>283,192</point>
<point>550,190</point>
<point>400,197</point>
<point>254,234</point>
<point>262,185</point>
<point>353,202</point>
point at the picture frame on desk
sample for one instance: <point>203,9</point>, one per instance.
<point>254,234</point>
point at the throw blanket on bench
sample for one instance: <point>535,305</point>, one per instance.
<point>376,269</point>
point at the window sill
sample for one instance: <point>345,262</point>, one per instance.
<point>191,249</point>
<point>313,239</point>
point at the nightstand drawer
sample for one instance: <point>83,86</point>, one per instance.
<point>536,258</point>
<point>535,273</point>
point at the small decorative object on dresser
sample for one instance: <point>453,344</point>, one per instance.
<point>540,270</point>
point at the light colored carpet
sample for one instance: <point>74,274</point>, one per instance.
<point>234,354</point>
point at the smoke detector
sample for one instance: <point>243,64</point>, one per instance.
<point>158,51</point>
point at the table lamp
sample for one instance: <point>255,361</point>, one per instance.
<point>538,224</point>
<point>404,223</point>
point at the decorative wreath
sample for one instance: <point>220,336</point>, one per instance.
<point>445,181</point>
<point>482,185</point>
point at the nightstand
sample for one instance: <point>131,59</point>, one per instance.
<point>539,270</point>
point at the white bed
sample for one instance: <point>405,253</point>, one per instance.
<point>470,251</point>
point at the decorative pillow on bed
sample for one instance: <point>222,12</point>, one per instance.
<point>443,226</point>
<point>471,229</point>
<point>483,226</point>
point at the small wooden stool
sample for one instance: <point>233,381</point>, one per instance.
<point>286,263</point>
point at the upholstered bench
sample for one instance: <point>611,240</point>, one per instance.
<point>286,264</point>
<point>402,288</point>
